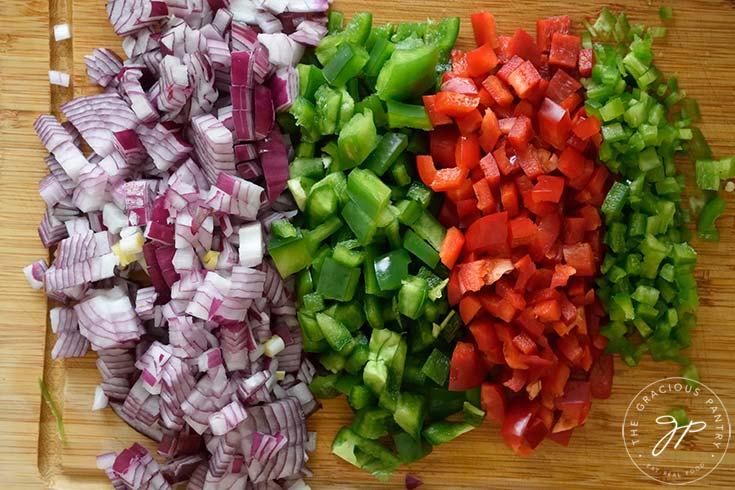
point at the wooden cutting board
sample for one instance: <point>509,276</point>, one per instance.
<point>698,49</point>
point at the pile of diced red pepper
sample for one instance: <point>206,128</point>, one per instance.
<point>514,152</point>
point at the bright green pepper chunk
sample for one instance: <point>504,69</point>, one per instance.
<point>408,73</point>
<point>337,281</point>
<point>358,138</point>
<point>706,224</point>
<point>412,297</point>
<point>345,65</point>
<point>436,367</point>
<point>368,192</point>
<point>390,147</point>
<point>443,432</point>
<point>372,423</point>
<point>409,413</point>
<point>391,269</point>
<point>708,175</point>
<point>368,455</point>
<point>290,255</point>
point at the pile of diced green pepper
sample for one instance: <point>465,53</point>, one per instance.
<point>364,248</point>
<point>648,287</point>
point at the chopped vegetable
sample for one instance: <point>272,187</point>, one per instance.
<point>54,409</point>
<point>160,263</point>
<point>365,248</point>
<point>648,288</point>
<point>522,192</point>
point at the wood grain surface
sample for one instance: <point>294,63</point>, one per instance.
<point>699,50</point>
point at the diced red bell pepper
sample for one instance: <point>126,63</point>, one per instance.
<point>601,376</point>
<point>426,169</point>
<point>447,179</point>
<point>548,188</point>
<point>454,295</point>
<point>503,49</point>
<point>586,128</point>
<point>522,232</point>
<point>504,289</point>
<point>486,201</point>
<point>573,230</point>
<point>524,108</point>
<point>548,311</point>
<point>490,168</point>
<point>564,50</point>
<point>436,118</point>
<point>469,307</point>
<point>509,67</point>
<point>469,123</point>
<point>562,438</point>
<point>483,26</point>
<point>460,85</point>
<point>497,306</point>
<point>466,370</point>
<point>571,163</point>
<point>504,164</point>
<point>561,86</point>
<point>468,151</point>
<point>525,344</point>
<point>521,132</point>
<point>526,268</point>
<point>454,104</point>
<point>492,399</point>
<point>467,210</point>
<point>487,234</point>
<point>522,430</point>
<point>545,29</point>
<point>489,131</point>
<point>528,322</point>
<point>575,405</point>
<point>554,124</point>
<point>586,62</point>
<point>517,381</point>
<point>498,91</point>
<point>459,63</point>
<point>528,161</point>
<point>523,45</point>
<point>443,143</point>
<point>509,197</point>
<point>591,216</point>
<point>481,60</point>
<point>448,214</point>
<point>464,191</point>
<point>485,99</point>
<point>524,80</point>
<point>451,247</point>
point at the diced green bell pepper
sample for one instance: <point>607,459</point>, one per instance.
<point>409,413</point>
<point>337,281</point>
<point>391,269</point>
<point>436,367</point>
<point>408,73</point>
<point>389,148</point>
<point>442,432</point>
<point>336,334</point>
<point>412,297</point>
<point>358,138</point>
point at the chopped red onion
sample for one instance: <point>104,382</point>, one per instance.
<point>412,482</point>
<point>35,273</point>
<point>62,32</point>
<point>59,78</point>
<point>182,137</point>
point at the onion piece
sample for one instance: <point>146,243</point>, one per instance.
<point>35,273</point>
<point>59,78</point>
<point>62,32</point>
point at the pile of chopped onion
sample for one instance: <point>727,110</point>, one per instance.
<point>159,239</point>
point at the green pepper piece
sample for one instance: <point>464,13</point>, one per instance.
<point>420,336</point>
<point>349,314</point>
<point>332,361</point>
<point>428,228</point>
<point>420,193</point>
<point>328,106</point>
<point>324,386</point>
<point>706,224</point>
<point>313,303</point>
<point>376,106</point>
<point>408,212</point>
<point>412,374</point>
<point>380,53</point>
<point>436,367</point>
<point>361,397</point>
<point>356,32</point>
<point>409,413</point>
<point>359,356</point>
<point>337,281</point>
<point>345,383</point>
<point>321,204</point>
<point>304,283</point>
<point>313,168</point>
<point>391,269</point>
<point>408,73</point>
<point>300,188</point>
<point>443,403</point>
<point>335,22</point>
<point>442,432</point>
<point>336,334</point>
<point>345,65</point>
<point>373,308</point>
<point>290,255</point>
<point>422,250</point>
<point>310,79</point>
<point>317,236</point>
<point>708,175</point>
<point>473,415</point>
<point>389,148</point>
<point>443,35</point>
<point>360,223</point>
<point>368,455</point>
<point>616,199</point>
<point>409,449</point>
<point>401,175</point>
<point>372,423</point>
<point>412,297</point>
<point>368,192</point>
<point>358,139</point>
<point>402,115</point>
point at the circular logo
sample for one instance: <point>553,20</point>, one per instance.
<point>676,431</point>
